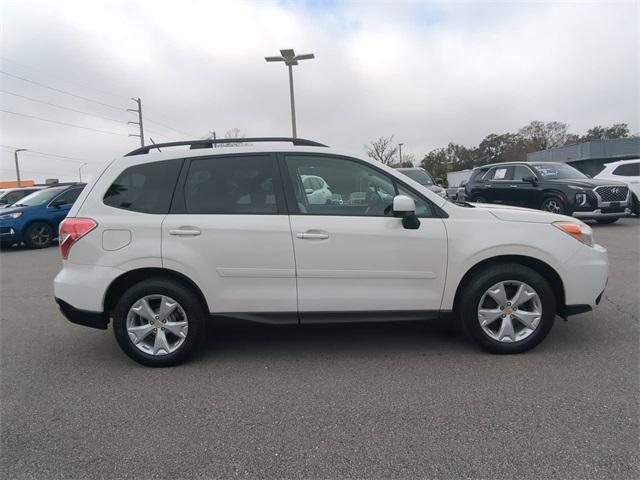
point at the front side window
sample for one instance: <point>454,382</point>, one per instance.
<point>520,172</point>
<point>500,173</point>
<point>145,188</point>
<point>423,208</point>
<point>628,170</point>
<point>231,185</point>
<point>353,189</point>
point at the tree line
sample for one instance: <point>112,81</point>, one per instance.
<point>494,148</point>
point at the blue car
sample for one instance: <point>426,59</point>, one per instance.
<point>35,218</point>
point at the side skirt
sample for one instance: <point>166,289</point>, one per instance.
<point>293,318</point>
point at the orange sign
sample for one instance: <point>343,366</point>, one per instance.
<point>14,184</point>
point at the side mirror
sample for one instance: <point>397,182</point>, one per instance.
<point>530,179</point>
<point>405,208</point>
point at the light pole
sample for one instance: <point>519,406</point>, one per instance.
<point>290,59</point>
<point>80,170</point>
<point>15,155</point>
<point>400,145</point>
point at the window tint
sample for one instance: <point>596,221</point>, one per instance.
<point>423,209</point>
<point>67,197</point>
<point>227,185</point>
<point>144,188</point>
<point>520,171</point>
<point>628,170</point>
<point>352,188</point>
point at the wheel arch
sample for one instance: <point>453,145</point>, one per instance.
<point>541,267</point>
<point>119,285</point>
<point>38,220</point>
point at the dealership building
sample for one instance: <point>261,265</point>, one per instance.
<point>590,157</point>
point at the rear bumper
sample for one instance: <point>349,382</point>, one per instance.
<point>83,317</point>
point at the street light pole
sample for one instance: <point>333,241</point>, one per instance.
<point>290,59</point>
<point>400,145</point>
<point>80,170</point>
<point>15,156</point>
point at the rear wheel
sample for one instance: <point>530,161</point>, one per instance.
<point>478,199</point>
<point>554,205</point>
<point>507,308</point>
<point>38,235</point>
<point>159,322</point>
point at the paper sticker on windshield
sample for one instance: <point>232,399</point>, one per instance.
<point>500,173</point>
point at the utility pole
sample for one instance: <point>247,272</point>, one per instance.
<point>139,122</point>
<point>400,146</point>
<point>80,170</point>
<point>15,155</point>
<point>290,59</point>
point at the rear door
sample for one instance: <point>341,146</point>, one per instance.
<point>228,231</point>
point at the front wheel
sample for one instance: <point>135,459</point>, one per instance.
<point>159,322</point>
<point>507,308</point>
<point>554,205</point>
<point>38,235</point>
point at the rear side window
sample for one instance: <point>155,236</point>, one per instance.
<point>145,188</point>
<point>628,170</point>
<point>231,185</point>
<point>500,173</point>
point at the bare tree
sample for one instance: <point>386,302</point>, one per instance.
<point>545,135</point>
<point>382,150</point>
<point>231,134</point>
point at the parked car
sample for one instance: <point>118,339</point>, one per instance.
<point>34,220</point>
<point>161,241</point>
<point>9,196</point>
<point>316,189</point>
<point>421,176</point>
<point>627,171</point>
<point>554,187</point>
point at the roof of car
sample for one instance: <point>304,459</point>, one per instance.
<point>621,162</point>
<point>491,165</point>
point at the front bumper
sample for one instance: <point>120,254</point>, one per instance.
<point>9,234</point>
<point>610,212</point>
<point>584,276</point>
<point>83,317</point>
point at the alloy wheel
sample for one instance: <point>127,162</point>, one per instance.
<point>510,311</point>
<point>552,206</point>
<point>157,325</point>
<point>40,236</point>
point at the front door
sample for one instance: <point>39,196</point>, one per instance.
<point>229,232</point>
<point>353,258</point>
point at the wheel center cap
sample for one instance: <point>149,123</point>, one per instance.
<point>157,323</point>
<point>507,310</point>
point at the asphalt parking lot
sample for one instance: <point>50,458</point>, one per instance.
<point>366,401</point>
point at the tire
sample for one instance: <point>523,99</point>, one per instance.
<point>554,205</point>
<point>635,205</point>
<point>540,311</point>
<point>478,199</point>
<point>185,340</point>
<point>606,221</point>
<point>38,235</point>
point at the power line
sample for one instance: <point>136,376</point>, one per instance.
<point>170,128</point>
<point>61,91</point>
<point>62,123</point>
<point>60,158</point>
<point>62,107</point>
<point>56,155</point>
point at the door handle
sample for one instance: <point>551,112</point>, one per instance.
<point>185,232</point>
<point>312,236</point>
<point>513,186</point>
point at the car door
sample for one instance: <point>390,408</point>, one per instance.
<point>58,208</point>
<point>354,260</point>
<point>229,232</point>
<point>518,192</point>
<point>499,181</point>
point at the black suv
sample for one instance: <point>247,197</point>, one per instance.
<point>550,186</point>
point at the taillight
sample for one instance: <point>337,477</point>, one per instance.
<point>71,230</point>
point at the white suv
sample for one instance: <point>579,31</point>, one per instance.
<point>627,171</point>
<point>160,241</point>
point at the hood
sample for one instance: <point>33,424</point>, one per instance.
<point>519,214</point>
<point>587,183</point>
<point>7,210</point>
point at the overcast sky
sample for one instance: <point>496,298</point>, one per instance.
<point>428,72</point>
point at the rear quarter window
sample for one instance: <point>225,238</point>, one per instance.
<point>627,170</point>
<point>146,188</point>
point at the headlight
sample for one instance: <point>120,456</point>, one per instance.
<point>8,216</point>
<point>580,231</point>
<point>581,199</point>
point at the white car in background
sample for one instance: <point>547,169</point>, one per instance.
<point>316,189</point>
<point>627,171</point>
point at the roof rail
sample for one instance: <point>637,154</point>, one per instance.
<point>209,143</point>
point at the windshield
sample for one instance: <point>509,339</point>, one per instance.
<point>557,170</point>
<point>40,197</point>
<point>419,176</point>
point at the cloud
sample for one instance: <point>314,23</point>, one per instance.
<point>428,72</point>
